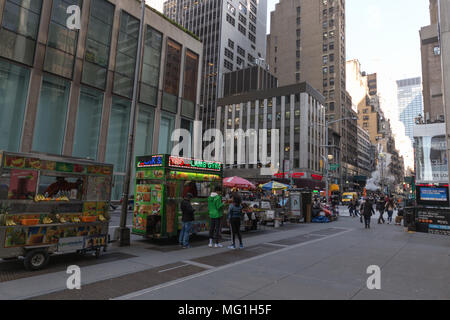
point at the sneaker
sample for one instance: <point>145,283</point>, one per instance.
<point>218,245</point>
<point>232,247</point>
<point>187,247</point>
<point>241,246</point>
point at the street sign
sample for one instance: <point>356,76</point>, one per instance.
<point>334,167</point>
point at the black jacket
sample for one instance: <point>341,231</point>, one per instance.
<point>187,210</point>
<point>367,210</point>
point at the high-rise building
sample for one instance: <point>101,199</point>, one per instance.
<point>69,92</point>
<point>410,103</point>
<point>433,104</point>
<point>307,43</point>
<point>234,36</point>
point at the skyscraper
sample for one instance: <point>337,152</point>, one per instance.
<point>307,43</point>
<point>410,103</point>
<point>234,36</point>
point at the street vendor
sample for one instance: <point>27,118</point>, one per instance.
<point>62,184</point>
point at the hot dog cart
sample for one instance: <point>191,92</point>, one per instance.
<point>50,205</point>
<point>162,181</point>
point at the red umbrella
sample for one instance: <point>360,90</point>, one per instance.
<point>236,182</point>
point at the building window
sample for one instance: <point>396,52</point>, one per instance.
<point>51,115</point>
<point>126,55</point>
<point>325,59</point>
<point>227,64</point>
<point>243,8</point>
<point>242,19</point>
<point>20,28</point>
<point>239,61</point>
<point>62,42</point>
<point>298,20</point>
<point>116,147</point>
<point>298,43</point>
<point>89,117</point>
<point>298,33</point>
<point>14,81</point>
<point>144,131</point>
<point>331,106</point>
<point>250,58</point>
<point>437,51</point>
<point>252,37</point>
<point>229,54</point>
<point>231,43</point>
<point>190,84</point>
<point>241,51</point>
<point>242,29</point>
<point>297,77</point>
<point>252,27</point>
<point>172,76</point>
<point>331,81</point>
<point>252,17</point>
<point>231,20</point>
<point>231,8</point>
<point>151,67</point>
<point>297,65</point>
<point>331,46</point>
<point>297,53</point>
<point>298,10</point>
<point>98,44</point>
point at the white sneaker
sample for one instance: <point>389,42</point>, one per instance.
<point>210,245</point>
<point>218,245</point>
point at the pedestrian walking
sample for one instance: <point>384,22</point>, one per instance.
<point>215,207</point>
<point>351,208</point>
<point>390,206</point>
<point>234,218</point>
<point>380,208</point>
<point>367,212</point>
<point>357,208</point>
<point>187,219</point>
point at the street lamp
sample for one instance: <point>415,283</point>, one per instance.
<point>327,125</point>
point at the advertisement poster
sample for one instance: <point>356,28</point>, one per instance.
<point>433,194</point>
<point>22,184</point>
<point>148,202</point>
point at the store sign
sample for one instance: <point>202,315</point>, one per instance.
<point>284,175</point>
<point>155,161</point>
<point>194,164</point>
<point>191,176</point>
<point>316,177</point>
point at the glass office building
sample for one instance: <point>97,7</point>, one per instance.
<point>69,92</point>
<point>410,103</point>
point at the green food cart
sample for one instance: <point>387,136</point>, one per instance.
<point>162,181</point>
<point>50,205</point>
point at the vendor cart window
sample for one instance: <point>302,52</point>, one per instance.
<point>59,186</point>
<point>197,189</point>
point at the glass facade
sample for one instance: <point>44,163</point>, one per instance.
<point>62,42</point>
<point>116,148</point>
<point>19,30</point>
<point>190,87</point>
<point>89,117</point>
<point>410,103</point>
<point>172,76</point>
<point>151,67</point>
<point>98,44</point>
<point>166,127</point>
<point>126,55</point>
<point>51,115</point>
<point>14,82</point>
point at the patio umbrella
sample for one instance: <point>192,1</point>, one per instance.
<point>237,182</point>
<point>273,185</point>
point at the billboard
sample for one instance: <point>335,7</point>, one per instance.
<point>431,153</point>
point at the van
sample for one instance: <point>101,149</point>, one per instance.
<point>348,197</point>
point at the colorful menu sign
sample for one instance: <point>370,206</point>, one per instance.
<point>194,164</point>
<point>153,161</point>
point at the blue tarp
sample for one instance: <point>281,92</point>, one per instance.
<point>320,219</point>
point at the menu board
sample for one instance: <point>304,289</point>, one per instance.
<point>148,202</point>
<point>150,174</point>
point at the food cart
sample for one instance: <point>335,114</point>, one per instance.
<point>162,181</point>
<point>50,205</point>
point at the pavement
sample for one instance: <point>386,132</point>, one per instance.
<point>293,262</point>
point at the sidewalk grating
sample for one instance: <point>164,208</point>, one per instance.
<point>14,270</point>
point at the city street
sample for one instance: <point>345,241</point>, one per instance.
<point>296,261</point>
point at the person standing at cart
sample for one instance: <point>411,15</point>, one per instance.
<point>215,207</point>
<point>234,218</point>
<point>187,219</point>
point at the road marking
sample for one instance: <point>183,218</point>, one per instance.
<point>204,273</point>
<point>165,270</point>
<point>198,264</point>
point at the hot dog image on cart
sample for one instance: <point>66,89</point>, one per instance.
<point>162,181</point>
<point>51,205</point>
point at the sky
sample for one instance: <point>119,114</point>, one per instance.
<point>384,36</point>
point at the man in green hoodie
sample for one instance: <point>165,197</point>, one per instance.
<point>215,207</point>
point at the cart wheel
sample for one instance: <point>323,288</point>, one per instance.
<point>36,259</point>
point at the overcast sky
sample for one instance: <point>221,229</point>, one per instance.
<point>384,36</point>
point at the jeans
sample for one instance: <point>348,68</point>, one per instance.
<point>235,224</point>
<point>214,229</point>
<point>367,221</point>
<point>390,213</point>
<point>185,232</point>
<point>381,218</point>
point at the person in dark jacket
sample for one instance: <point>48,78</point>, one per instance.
<point>187,219</point>
<point>380,209</point>
<point>234,218</point>
<point>367,212</point>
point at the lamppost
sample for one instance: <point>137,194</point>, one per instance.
<point>326,146</point>
<point>124,231</point>
<point>382,159</point>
